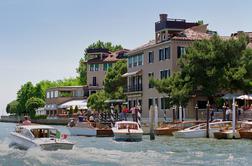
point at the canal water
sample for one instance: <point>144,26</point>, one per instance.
<point>105,151</point>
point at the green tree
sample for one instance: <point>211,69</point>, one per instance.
<point>32,104</point>
<point>38,92</point>
<point>82,68</point>
<point>97,101</point>
<point>114,82</point>
<point>12,107</point>
<point>25,93</point>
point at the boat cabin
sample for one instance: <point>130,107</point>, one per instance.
<point>36,131</point>
<point>126,125</point>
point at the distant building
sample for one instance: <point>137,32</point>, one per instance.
<point>159,59</point>
<point>55,97</point>
<point>100,60</point>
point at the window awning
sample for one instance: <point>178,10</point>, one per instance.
<point>132,73</point>
<point>81,104</point>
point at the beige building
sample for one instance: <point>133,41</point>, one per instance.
<point>98,64</point>
<point>55,97</point>
<point>159,59</point>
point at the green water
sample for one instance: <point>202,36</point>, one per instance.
<point>105,151</point>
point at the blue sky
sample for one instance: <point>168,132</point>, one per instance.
<point>44,39</point>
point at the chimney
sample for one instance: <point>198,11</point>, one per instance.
<point>163,17</point>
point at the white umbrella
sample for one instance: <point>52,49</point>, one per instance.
<point>245,97</point>
<point>229,96</point>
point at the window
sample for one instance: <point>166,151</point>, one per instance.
<point>135,61</point>
<point>164,74</point>
<point>96,67</point>
<point>130,61</point>
<point>181,51</point>
<point>140,60</point>
<point>52,94</point>
<point>151,75</point>
<point>94,81</point>
<point>161,54</point>
<point>56,93</point>
<point>167,53</point>
<point>47,95</point>
<point>91,67</point>
<point>106,66</point>
<point>164,103</point>
<point>150,103</point>
<point>151,57</point>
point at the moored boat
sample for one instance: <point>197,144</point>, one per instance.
<point>199,131</point>
<point>246,130</point>
<point>169,129</point>
<point>45,137</point>
<point>227,134</point>
<point>127,131</point>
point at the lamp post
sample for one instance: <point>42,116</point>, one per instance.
<point>224,111</point>
<point>197,112</point>
<point>207,129</point>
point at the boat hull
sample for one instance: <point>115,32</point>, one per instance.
<point>48,144</point>
<point>226,135</point>
<point>82,131</point>
<point>194,134</point>
<point>131,137</point>
<point>246,134</point>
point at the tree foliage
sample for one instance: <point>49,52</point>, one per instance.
<point>210,67</point>
<point>82,68</point>
<point>97,101</point>
<point>32,104</point>
<point>114,82</point>
<point>12,107</point>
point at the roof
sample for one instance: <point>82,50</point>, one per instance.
<point>193,33</point>
<point>109,57</point>
<point>34,126</point>
<point>65,87</point>
<point>146,45</point>
<point>81,104</point>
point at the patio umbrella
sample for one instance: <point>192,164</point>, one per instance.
<point>229,96</point>
<point>245,97</point>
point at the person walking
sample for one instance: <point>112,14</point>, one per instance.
<point>228,112</point>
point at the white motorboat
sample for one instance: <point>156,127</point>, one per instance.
<point>82,129</point>
<point>127,131</point>
<point>45,137</point>
<point>199,131</point>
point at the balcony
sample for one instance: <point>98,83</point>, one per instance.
<point>134,88</point>
<point>93,84</point>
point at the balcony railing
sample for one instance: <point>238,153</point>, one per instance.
<point>93,84</point>
<point>134,88</point>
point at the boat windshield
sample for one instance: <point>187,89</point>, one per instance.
<point>44,133</point>
<point>127,126</point>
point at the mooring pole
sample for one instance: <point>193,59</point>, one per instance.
<point>233,117</point>
<point>224,111</point>
<point>152,114</point>
<point>207,128</point>
<point>196,112</point>
<point>173,114</point>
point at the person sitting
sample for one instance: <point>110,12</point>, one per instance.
<point>91,118</point>
<point>26,121</point>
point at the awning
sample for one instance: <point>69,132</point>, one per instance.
<point>81,104</point>
<point>132,73</point>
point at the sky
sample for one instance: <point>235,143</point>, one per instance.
<point>45,39</point>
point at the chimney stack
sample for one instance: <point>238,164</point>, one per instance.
<point>163,17</point>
